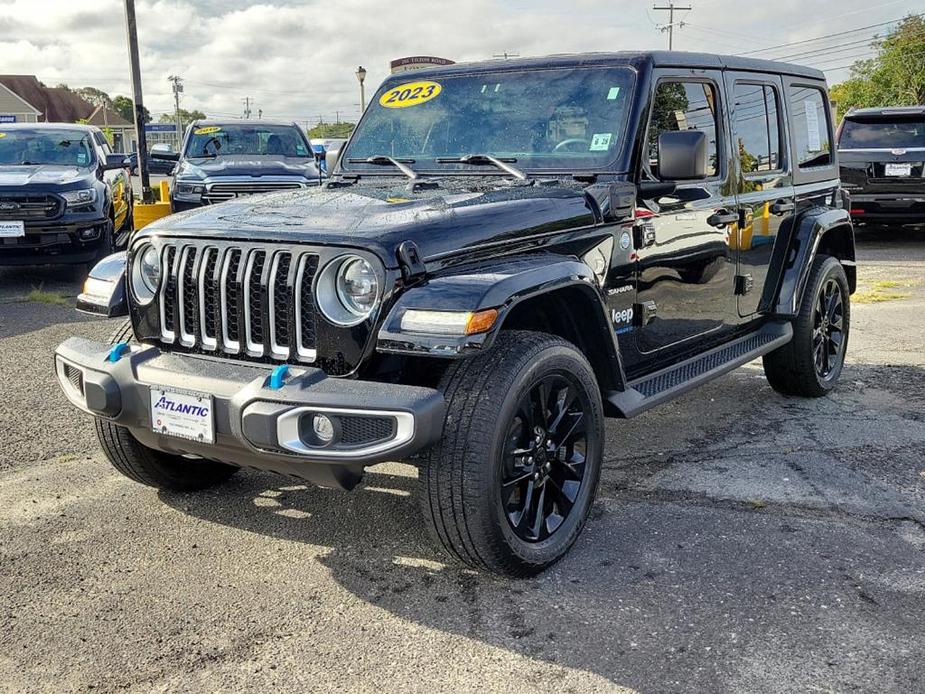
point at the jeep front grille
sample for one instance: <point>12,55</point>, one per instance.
<point>252,301</point>
<point>220,192</point>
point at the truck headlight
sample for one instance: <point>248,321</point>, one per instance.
<point>146,274</point>
<point>348,290</point>
<point>79,198</point>
<point>190,190</point>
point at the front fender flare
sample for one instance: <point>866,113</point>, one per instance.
<point>501,285</point>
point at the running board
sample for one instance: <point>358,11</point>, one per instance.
<point>661,386</point>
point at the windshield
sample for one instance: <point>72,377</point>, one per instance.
<point>41,146</point>
<point>223,140</point>
<point>905,133</point>
<point>560,119</point>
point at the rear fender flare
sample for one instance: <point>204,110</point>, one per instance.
<point>792,261</point>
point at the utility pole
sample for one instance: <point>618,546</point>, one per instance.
<point>177,88</point>
<point>247,107</point>
<point>132,31</point>
<point>670,8</point>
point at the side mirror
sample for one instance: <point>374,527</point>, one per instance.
<point>117,161</point>
<point>330,159</point>
<point>165,156</point>
<point>104,291</point>
<point>682,155</point>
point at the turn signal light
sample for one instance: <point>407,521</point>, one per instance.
<point>481,321</point>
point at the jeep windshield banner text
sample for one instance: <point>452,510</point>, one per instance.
<point>536,119</point>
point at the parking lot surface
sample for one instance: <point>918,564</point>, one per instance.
<point>741,541</point>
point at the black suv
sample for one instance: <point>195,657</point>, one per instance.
<point>65,197</point>
<point>506,253</point>
<point>882,156</point>
<point>224,160</point>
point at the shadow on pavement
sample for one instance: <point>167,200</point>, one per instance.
<point>661,592</point>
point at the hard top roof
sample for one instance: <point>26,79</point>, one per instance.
<point>50,126</point>
<point>634,58</point>
<point>240,121</point>
<point>886,112</point>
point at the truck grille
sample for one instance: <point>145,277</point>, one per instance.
<point>253,301</point>
<point>220,192</point>
<point>29,207</point>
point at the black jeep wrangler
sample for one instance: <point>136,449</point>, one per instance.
<point>506,253</point>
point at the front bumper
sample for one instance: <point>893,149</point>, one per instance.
<point>255,425</point>
<point>54,242</point>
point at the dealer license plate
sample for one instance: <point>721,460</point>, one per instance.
<point>898,170</point>
<point>183,414</point>
<point>12,230</point>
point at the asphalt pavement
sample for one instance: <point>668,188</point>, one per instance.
<point>741,542</point>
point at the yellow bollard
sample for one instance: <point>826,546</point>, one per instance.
<point>145,214</point>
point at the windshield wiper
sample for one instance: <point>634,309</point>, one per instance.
<point>483,159</point>
<point>383,160</point>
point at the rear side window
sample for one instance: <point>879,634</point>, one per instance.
<point>757,127</point>
<point>810,125</point>
<point>684,106</point>
<point>904,133</point>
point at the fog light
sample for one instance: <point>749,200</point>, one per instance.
<point>323,428</point>
<point>89,234</point>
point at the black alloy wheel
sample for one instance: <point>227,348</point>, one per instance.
<point>828,329</point>
<point>544,460</point>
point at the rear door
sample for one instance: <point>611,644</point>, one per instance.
<point>763,181</point>
<point>685,267</point>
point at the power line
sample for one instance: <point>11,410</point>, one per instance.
<point>670,8</point>
<point>827,36</point>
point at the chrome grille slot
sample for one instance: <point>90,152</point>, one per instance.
<point>250,300</point>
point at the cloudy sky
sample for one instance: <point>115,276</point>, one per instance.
<point>296,58</point>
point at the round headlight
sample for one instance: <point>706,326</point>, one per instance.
<point>347,290</point>
<point>357,286</point>
<point>146,273</point>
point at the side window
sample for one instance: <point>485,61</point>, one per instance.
<point>684,106</point>
<point>810,126</point>
<point>757,128</point>
<point>102,142</point>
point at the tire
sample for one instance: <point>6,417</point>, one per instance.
<point>148,466</point>
<point>796,368</point>
<point>479,478</point>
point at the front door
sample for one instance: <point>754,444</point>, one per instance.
<point>764,185</point>
<point>686,271</point>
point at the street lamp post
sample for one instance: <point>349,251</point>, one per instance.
<point>361,76</point>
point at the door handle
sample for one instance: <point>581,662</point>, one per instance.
<point>721,218</point>
<point>779,207</point>
<point>643,235</point>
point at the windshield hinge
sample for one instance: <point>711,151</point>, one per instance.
<point>410,262</point>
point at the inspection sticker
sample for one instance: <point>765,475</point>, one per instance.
<point>184,415</point>
<point>600,142</point>
<point>410,94</point>
<point>207,130</point>
<point>613,93</point>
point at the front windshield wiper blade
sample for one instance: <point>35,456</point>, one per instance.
<point>482,159</point>
<point>383,160</point>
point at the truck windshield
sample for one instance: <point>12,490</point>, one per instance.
<point>223,140</point>
<point>905,133</point>
<point>27,146</point>
<point>550,119</point>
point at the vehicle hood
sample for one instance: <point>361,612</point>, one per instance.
<point>248,165</point>
<point>45,174</point>
<point>441,222</point>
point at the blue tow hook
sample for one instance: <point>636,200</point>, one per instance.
<point>117,351</point>
<point>278,377</point>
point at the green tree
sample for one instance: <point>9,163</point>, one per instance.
<point>125,107</point>
<point>324,130</point>
<point>95,96</point>
<point>894,77</point>
<point>186,117</point>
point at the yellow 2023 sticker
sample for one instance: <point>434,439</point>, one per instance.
<point>2,135</point>
<point>207,131</point>
<point>410,94</point>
